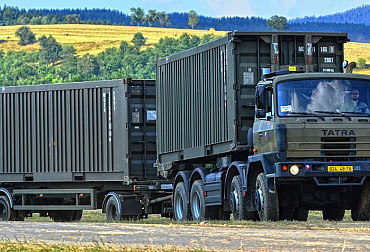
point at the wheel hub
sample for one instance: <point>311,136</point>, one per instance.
<point>259,199</point>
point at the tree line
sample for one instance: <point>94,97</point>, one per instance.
<point>357,32</point>
<point>54,63</point>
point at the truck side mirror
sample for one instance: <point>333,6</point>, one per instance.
<point>260,113</point>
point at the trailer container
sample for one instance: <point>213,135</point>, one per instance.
<point>88,138</point>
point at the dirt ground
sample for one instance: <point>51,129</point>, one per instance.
<point>329,236</point>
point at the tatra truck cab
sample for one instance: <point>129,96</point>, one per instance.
<point>311,142</point>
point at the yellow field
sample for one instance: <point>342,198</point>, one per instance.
<point>91,39</point>
<point>94,39</point>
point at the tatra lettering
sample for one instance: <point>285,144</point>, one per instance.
<point>338,132</point>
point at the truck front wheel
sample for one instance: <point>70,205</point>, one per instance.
<point>362,210</point>
<point>266,201</point>
<point>181,209</point>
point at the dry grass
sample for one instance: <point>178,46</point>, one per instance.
<point>92,39</point>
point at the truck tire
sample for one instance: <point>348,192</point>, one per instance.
<point>181,209</point>
<point>237,200</point>
<point>6,212</point>
<point>300,214</point>
<point>333,213</point>
<point>362,210</point>
<point>266,202</point>
<point>199,211</point>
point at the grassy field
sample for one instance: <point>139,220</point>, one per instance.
<point>92,39</point>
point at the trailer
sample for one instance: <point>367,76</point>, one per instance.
<point>239,133</point>
<point>65,148</point>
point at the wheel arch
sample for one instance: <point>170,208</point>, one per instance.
<point>235,169</point>
<point>106,198</point>
<point>182,176</point>
<point>198,174</point>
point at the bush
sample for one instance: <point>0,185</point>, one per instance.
<point>26,36</point>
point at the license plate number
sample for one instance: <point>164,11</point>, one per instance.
<point>340,168</point>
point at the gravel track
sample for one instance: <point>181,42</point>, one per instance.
<point>334,236</point>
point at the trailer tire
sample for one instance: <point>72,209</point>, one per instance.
<point>181,209</point>
<point>197,203</point>
<point>113,209</point>
<point>362,210</point>
<point>300,214</point>
<point>6,212</point>
<point>266,201</point>
<point>333,213</point>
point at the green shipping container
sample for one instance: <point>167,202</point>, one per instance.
<point>205,95</point>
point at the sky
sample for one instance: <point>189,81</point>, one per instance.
<point>212,8</point>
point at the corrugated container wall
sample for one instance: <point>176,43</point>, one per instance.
<point>205,95</point>
<point>90,131</point>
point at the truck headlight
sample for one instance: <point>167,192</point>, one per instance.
<point>294,169</point>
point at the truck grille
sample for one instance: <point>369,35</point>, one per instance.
<point>338,146</point>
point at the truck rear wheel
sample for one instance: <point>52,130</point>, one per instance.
<point>181,209</point>
<point>199,211</point>
<point>362,210</point>
<point>333,213</point>
<point>266,201</point>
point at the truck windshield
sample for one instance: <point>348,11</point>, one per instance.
<point>326,97</point>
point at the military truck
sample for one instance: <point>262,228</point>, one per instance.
<point>264,126</point>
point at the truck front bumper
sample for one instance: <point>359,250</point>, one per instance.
<point>323,173</point>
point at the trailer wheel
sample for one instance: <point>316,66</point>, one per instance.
<point>6,213</point>
<point>113,210</point>
<point>181,209</point>
<point>300,214</point>
<point>333,213</point>
<point>362,210</point>
<point>266,202</point>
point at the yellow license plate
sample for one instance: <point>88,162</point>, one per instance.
<point>340,168</point>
